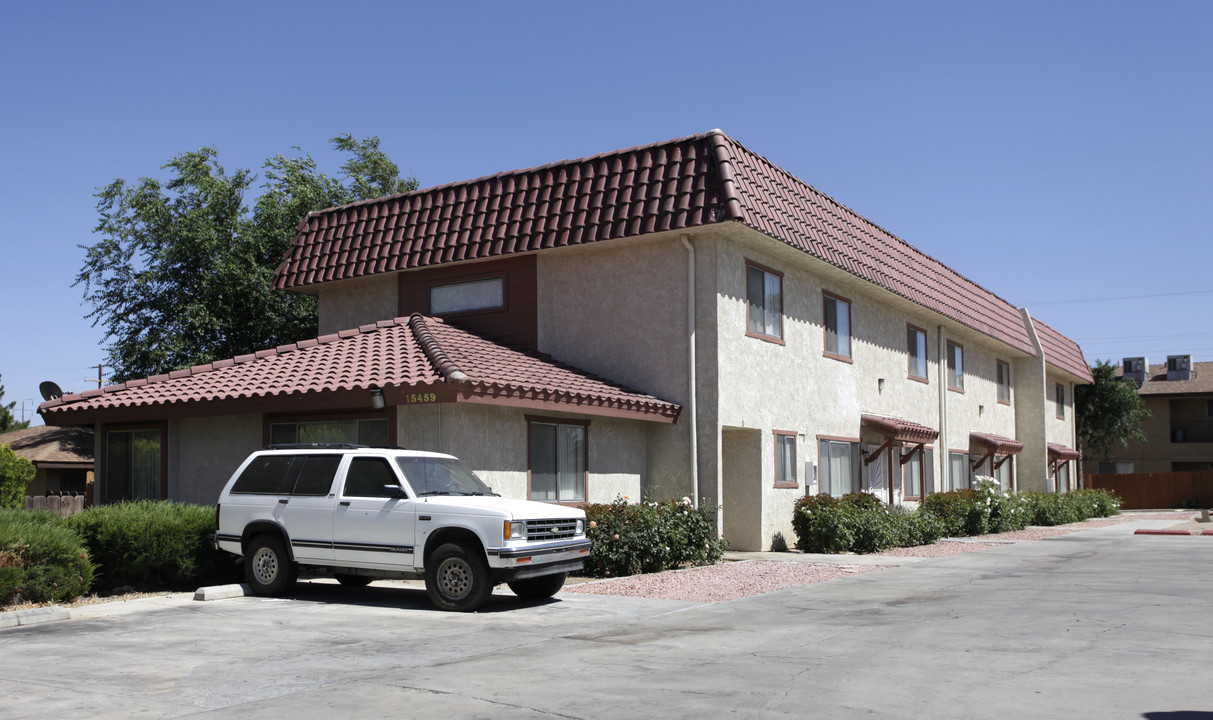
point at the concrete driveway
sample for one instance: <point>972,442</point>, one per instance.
<point>1099,624</point>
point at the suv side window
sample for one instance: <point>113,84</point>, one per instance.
<point>317,474</point>
<point>265,475</point>
<point>367,476</point>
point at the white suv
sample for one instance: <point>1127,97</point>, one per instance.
<point>362,513</point>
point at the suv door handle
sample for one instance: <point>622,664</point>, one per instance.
<point>283,501</point>
<point>344,503</point>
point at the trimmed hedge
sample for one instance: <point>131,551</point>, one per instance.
<point>861,523</point>
<point>152,545</point>
<point>41,558</point>
<point>632,538</point>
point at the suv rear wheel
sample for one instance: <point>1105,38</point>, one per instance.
<point>267,566</point>
<point>457,578</point>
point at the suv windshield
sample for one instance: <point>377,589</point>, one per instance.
<point>441,476</point>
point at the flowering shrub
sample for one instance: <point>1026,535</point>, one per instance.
<point>859,522</point>
<point>631,538</point>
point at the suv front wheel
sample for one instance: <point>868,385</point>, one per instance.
<point>457,578</point>
<point>267,566</point>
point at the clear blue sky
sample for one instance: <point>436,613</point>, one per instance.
<point>1057,153</point>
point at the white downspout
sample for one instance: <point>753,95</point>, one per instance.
<point>945,460</point>
<point>691,372</point>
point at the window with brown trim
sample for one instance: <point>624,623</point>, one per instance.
<point>1004,382</point>
<point>557,456</point>
<point>916,351</point>
<point>837,321</point>
<point>373,431</point>
<point>1061,401</point>
<point>959,471</point>
<point>134,464</point>
<point>764,293</point>
<point>467,296</point>
<point>912,472</point>
<point>785,459</point>
<point>956,369</point>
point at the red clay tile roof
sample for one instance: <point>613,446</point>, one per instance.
<point>396,355</point>
<point>679,184</point>
<point>54,445</point>
<point>899,430</point>
<point>1061,452</point>
<point>996,443</point>
<point>1062,352</point>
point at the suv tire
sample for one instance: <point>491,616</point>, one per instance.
<point>457,578</point>
<point>539,588</point>
<point>267,566</point>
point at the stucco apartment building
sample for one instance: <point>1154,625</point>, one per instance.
<point>1179,431</point>
<point>678,319</point>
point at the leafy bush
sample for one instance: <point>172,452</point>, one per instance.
<point>956,510</point>
<point>822,525</point>
<point>1074,506</point>
<point>631,538</point>
<point>859,522</point>
<point>15,475</point>
<point>41,558</point>
<point>152,545</point>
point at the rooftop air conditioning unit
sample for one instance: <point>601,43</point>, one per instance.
<point>1135,369</point>
<point>1179,367</point>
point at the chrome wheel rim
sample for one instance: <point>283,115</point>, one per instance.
<point>455,578</point>
<point>265,566</point>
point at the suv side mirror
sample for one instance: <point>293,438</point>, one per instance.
<point>394,491</point>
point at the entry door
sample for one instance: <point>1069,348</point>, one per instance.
<point>368,527</point>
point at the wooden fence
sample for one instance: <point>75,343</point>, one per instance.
<point>1146,491</point>
<point>64,505</point>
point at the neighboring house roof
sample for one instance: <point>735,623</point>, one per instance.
<point>400,356</point>
<point>1062,352</point>
<point>46,445</point>
<point>1157,383</point>
<point>679,184</point>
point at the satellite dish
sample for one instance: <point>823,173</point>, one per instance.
<point>50,391</point>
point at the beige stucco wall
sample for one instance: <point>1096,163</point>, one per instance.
<point>349,304</point>
<point>203,453</point>
<point>492,440</point>
<point>1158,452</point>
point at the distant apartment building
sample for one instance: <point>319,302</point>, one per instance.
<point>1179,431</point>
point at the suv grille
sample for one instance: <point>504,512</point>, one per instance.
<point>550,529</point>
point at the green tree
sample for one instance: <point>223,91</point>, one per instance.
<point>7,420</point>
<point>15,475</point>
<point>181,275</point>
<point>1109,411</point>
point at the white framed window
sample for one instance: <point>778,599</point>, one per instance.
<point>1004,382</point>
<point>1061,401</point>
<point>958,471</point>
<point>838,325</point>
<point>916,350</point>
<point>956,366</point>
<point>1005,474</point>
<point>485,294</point>
<point>912,472</point>
<point>839,467</point>
<point>557,457</point>
<point>764,293</point>
<point>785,459</point>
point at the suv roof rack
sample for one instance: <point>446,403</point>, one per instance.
<point>314,446</point>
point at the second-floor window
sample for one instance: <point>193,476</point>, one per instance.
<point>483,294</point>
<point>916,349</point>
<point>1061,401</point>
<point>1004,382</point>
<point>838,326</point>
<point>764,291</point>
<point>956,367</point>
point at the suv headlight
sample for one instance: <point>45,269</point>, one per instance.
<point>581,527</point>
<point>514,530</point>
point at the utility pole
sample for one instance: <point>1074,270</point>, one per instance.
<point>100,380</point>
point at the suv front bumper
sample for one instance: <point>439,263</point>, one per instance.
<point>521,562</point>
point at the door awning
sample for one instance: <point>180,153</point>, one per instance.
<point>1061,452</point>
<point>899,430</point>
<point>996,443</point>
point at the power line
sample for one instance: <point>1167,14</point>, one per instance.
<point>1117,297</point>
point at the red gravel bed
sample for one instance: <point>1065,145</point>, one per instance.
<point>941,549</point>
<point>722,582</point>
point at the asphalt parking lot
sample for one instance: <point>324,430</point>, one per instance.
<point>1098,624</point>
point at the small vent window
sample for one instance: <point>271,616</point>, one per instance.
<point>484,294</point>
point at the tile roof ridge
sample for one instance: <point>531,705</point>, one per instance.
<point>507,173</point>
<point>442,362</point>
